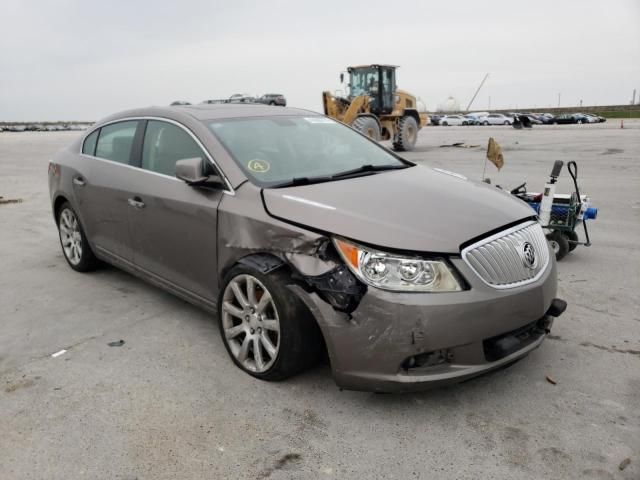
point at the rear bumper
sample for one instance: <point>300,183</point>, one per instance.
<point>396,342</point>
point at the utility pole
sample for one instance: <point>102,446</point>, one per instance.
<point>633,101</point>
<point>490,102</point>
<point>558,99</point>
<point>476,94</point>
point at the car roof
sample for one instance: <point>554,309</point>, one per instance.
<point>212,111</point>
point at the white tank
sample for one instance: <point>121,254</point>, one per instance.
<point>449,105</point>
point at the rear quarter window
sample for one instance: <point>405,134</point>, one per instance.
<point>89,145</point>
<point>116,140</point>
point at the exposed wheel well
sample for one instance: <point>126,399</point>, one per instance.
<point>57,205</point>
<point>266,263</point>
<point>413,113</point>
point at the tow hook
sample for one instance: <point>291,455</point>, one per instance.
<point>557,307</point>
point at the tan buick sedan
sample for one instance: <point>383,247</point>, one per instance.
<point>305,238</point>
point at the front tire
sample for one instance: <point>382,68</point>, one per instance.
<point>407,134</point>
<point>367,126</point>
<point>268,332</point>
<point>73,241</point>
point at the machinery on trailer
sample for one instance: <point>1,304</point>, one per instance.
<point>376,108</point>
<point>560,214</point>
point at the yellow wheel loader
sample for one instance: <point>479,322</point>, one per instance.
<point>376,108</point>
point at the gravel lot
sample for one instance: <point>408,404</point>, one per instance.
<point>170,404</point>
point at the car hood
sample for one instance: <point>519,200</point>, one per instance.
<point>415,208</point>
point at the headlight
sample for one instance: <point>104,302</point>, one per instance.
<point>395,272</point>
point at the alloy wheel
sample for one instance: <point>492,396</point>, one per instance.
<point>70,236</point>
<point>250,323</point>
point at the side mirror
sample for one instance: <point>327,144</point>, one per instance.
<point>342,78</point>
<point>193,172</point>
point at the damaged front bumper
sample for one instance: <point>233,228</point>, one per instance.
<point>408,341</point>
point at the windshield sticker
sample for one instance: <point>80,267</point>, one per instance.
<point>258,166</point>
<point>318,120</point>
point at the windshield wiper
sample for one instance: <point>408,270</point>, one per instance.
<point>294,182</point>
<point>366,169</point>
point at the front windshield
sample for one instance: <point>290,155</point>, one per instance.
<point>279,149</point>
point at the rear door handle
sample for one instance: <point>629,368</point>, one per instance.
<point>136,202</point>
<point>79,181</point>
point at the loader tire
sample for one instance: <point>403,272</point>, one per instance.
<point>367,126</point>
<point>407,135</point>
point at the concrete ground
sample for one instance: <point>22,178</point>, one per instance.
<point>169,403</point>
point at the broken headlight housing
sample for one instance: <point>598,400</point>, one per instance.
<point>390,271</point>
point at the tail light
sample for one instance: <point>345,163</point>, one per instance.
<point>54,169</point>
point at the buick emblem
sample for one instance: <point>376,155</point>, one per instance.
<point>528,255</point>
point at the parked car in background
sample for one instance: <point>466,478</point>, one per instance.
<point>534,119</point>
<point>273,99</point>
<point>439,280</point>
<point>594,118</point>
<point>435,119</point>
<point>448,120</point>
<point>496,119</point>
<point>214,101</point>
<point>567,118</point>
<point>241,98</point>
<point>584,118</point>
<point>545,118</point>
<point>471,120</point>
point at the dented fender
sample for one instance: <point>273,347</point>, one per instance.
<point>252,237</point>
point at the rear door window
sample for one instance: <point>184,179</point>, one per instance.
<point>165,144</point>
<point>116,140</point>
<point>89,145</point>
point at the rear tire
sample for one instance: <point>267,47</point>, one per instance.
<point>368,126</point>
<point>407,134</point>
<point>559,244</point>
<point>293,340</point>
<point>75,247</point>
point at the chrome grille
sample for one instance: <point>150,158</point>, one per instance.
<point>500,260</point>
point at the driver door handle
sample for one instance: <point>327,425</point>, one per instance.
<point>79,181</point>
<point>136,202</point>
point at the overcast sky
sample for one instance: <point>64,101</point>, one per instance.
<point>73,59</point>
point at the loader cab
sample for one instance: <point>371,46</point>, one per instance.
<point>376,81</point>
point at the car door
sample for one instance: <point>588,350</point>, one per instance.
<point>105,186</point>
<point>173,225</point>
